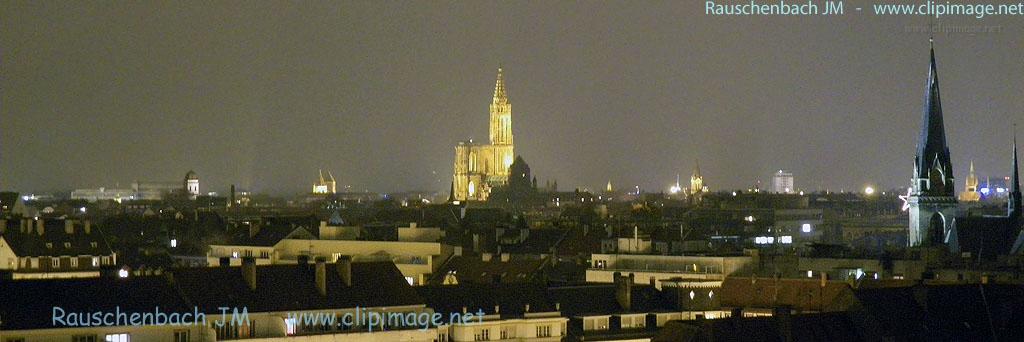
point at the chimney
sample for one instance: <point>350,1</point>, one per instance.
<point>497,309</point>
<point>344,266</point>
<point>87,227</point>
<point>504,257</point>
<point>485,257</point>
<point>254,229</point>
<point>40,224</point>
<point>249,271</point>
<point>624,290</point>
<point>457,251</point>
<point>783,317</point>
<point>321,276</point>
<point>526,308</point>
<point>412,225</point>
<point>69,227</point>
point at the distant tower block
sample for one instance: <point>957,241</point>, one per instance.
<point>782,182</point>
<point>932,202</point>
<point>971,193</point>
<point>192,183</point>
<point>480,167</point>
<point>323,185</point>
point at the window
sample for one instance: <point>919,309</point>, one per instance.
<point>74,262</point>
<point>265,254</point>
<point>92,244</point>
<point>181,336</point>
<point>234,254</point>
<point>482,335</point>
<point>506,333</point>
<point>95,261</point>
<point>544,331</point>
<point>116,338</point>
<point>83,338</point>
<point>290,324</point>
<point>67,245</point>
<point>55,262</point>
<point>34,262</point>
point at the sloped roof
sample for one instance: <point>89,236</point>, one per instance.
<point>52,241</point>
<point>511,298</point>
<point>801,294</point>
<point>292,287</point>
<point>28,304</point>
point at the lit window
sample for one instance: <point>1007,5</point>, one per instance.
<point>55,262</point>
<point>786,239</point>
<point>290,325</point>
<point>692,295</point>
<point>234,255</point>
<point>174,243</point>
<point>116,338</point>
<point>410,280</point>
<point>95,262</point>
<point>810,274</point>
<point>806,227</point>
<point>74,262</point>
<point>123,273</point>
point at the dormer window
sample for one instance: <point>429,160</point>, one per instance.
<point>67,245</point>
<point>92,244</point>
<point>49,245</point>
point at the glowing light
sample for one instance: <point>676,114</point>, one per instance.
<point>810,274</point>
<point>674,189</point>
<point>692,295</point>
<point>174,243</point>
<point>869,191</point>
<point>734,193</point>
<point>749,218</point>
<point>123,273</point>
<point>806,227</point>
<point>786,239</point>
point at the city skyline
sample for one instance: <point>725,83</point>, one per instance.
<point>382,105</point>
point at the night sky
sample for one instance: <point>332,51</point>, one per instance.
<point>262,94</point>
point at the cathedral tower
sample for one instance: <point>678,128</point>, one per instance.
<point>931,201</point>
<point>970,193</point>
<point>479,167</point>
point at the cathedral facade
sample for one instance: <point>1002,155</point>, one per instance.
<point>481,167</point>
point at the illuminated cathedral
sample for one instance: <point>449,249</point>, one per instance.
<point>481,167</point>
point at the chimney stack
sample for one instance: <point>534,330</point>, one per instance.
<point>504,257</point>
<point>321,276</point>
<point>624,290</point>
<point>40,224</point>
<point>249,271</point>
<point>344,266</point>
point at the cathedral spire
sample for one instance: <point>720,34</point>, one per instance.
<point>500,97</point>
<point>932,151</point>
<point>696,169</point>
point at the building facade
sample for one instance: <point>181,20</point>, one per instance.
<point>782,182</point>
<point>480,167</point>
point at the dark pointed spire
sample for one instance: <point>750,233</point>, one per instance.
<point>1014,200</point>
<point>451,193</point>
<point>932,150</point>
